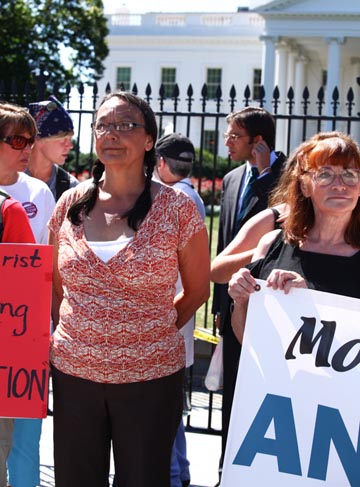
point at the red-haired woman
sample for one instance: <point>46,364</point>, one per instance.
<point>319,246</point>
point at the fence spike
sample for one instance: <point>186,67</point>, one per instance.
<point>276,99</point>
<point>232,95</point>
<point>190,98</point>
<point>148,92</point>
<point>290,99</point>
<point>247,95</point>
<point>262,96</point>
<point>305,101</point>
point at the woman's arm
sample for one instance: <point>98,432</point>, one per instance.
<point>194,267</point>
<point>57,289</point>
<point>240,251</point>
<point>241,285</point>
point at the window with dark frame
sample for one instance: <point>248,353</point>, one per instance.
<point>256,84</point>
<point>168,79</point>
<point>209,140</point>
<point>213,81</point>
<point>123,78</point>
<point>324,78</point>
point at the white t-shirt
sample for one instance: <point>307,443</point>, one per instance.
<point>37,200</point>
<point>187,330</point>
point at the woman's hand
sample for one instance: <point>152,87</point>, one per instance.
<point>241,285</point>
<point>285,280</point>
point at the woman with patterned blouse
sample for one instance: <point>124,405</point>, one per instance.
<point>117,355</point>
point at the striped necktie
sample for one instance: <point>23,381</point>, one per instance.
<point>248,194</point>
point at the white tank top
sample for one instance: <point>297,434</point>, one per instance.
<point>106,250</point>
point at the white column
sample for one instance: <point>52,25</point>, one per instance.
<point>355,85</point>
<point>282,51</point>
<point>333,72</point>
<point>268,68</point>
<point>299,85</point>
<point>290,82</point>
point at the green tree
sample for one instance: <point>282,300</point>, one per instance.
<point>206,161</point>
<point>36,33</point>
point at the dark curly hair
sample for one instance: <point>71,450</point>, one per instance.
<point>143,204</point>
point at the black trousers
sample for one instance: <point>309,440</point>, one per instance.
<point>231,356</point>
<point>139,419</point>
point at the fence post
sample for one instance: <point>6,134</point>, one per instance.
<point>41,77</point>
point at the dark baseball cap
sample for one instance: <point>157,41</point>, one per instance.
<point>51,117</point>
<point>175,146</point>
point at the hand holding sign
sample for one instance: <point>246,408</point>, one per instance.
<point>25,297</point>
<point>294,418</point>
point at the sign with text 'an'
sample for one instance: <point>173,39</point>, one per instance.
<point>25,299</point>
<point>296,414</point>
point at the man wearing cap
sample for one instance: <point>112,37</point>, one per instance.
<point>175,157</point>
<point>52,146</point>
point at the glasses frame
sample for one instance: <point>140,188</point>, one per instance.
<point>314,176</point>
<point>117,125</point>
<point>26,141</point>
<point>234,137</point>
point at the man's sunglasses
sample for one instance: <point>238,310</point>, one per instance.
<point>18,142</point>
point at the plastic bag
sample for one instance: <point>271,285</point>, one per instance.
<point>214,376</point>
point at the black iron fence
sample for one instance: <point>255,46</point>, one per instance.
<point>203,120</point>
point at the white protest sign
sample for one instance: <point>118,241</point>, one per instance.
<point>296,409</point>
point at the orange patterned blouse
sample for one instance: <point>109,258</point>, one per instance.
<point>117,319</point>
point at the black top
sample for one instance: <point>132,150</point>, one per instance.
<point>323,272</point>
<point>231,188</point>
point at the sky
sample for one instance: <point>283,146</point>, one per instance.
<point>143,6</point>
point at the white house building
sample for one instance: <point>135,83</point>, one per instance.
<point>283,44</point>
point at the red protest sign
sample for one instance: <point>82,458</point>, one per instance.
<point>25,299</point>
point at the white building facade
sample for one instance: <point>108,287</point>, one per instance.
<point>283,44</point>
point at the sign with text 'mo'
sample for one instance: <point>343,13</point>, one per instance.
<point>296,414</point>
<point>25,298</point>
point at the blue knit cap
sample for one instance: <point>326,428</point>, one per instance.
<point>51,117</point>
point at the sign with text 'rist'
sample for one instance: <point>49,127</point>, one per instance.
<point>25,299</point>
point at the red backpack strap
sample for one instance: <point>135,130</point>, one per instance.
<point>3,196</point>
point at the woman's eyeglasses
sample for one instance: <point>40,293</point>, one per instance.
<point>326,176</point>
<point>101,128</point>
<point>18,142</point>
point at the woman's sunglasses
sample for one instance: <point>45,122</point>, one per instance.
<point>18,142</point>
